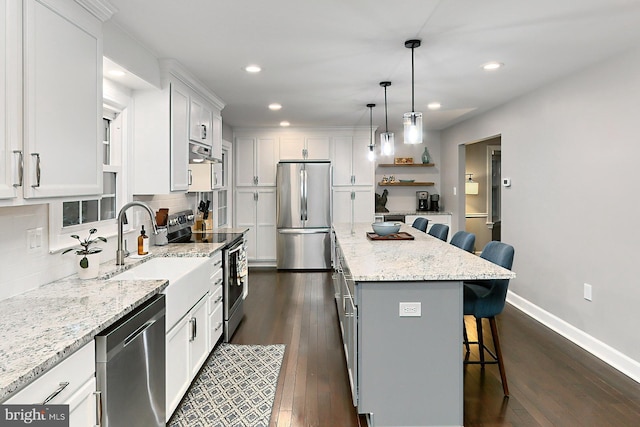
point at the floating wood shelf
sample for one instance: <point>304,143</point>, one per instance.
<point>405,184</point>
<point>421,165</point>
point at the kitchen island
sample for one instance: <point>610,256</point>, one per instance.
<point>400,305</point>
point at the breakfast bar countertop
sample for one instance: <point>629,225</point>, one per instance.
<point>43,326</point>
<point>424,259</point>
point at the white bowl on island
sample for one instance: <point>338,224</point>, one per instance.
<point>385,228</point>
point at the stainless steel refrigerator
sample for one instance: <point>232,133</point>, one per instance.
<point>303,215</point>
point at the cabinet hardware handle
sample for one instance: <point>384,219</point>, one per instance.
<point>217,263</point>
<point>194,329</point>
<point>37,156</point>
<point>218,282</point>
<point>204,131</point>
<point>189,177</point>
<point>219,326</point>
<point>98,395</point>
<point>55,393</point>
<point>218,299</point>
<point>20,167</point>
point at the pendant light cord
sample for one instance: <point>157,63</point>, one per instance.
<point>413,109</point>
<point>386,122</point>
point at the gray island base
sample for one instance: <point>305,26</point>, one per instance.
<point>400,308</point>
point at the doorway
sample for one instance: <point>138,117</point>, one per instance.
<point>482,173</point>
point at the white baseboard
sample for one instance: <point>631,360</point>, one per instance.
<point>607,354</point>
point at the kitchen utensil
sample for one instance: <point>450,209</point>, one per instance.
<point>385,228</point>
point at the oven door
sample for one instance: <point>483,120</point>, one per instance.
<point>234,282</point>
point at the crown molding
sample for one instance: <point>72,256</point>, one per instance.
<point>101,9</point>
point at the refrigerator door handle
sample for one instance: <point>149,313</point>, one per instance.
<point>303,195</point>
<point>304,230</point>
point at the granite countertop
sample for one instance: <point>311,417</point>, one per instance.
<point>425,258</point>
<point>41,327</point>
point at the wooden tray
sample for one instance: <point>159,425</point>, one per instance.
<point>403,235</point>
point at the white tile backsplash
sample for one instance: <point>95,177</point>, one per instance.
<point>22,269</point>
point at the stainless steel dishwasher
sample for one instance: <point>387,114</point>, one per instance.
<point>130,368</point>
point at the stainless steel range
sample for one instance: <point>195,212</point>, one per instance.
<point>234,264</point>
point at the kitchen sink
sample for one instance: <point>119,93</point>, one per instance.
<point>189,279</point>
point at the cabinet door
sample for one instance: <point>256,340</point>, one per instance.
<point>201,177</point>
<point>245,161</point>
<point>266,160</point>
<point>318,148</point>
<point>342,204</point>
<point>363,168</point>
<point>342,152</point>
<point>245,212</point>
<point>266,225</point>
<point>291,148</point>
<point>363,204</point>
<point>63,100</point>
<point>10,60</point>
<point>199,335</point>
<point>179,161</point>
<point>216,136</point>
<point>197,129</point>
<point>177,364</point>
<point>82,406</point>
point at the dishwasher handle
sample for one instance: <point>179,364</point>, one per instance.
<point>138,331</point>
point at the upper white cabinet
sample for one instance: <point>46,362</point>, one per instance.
<point>200,120</point>
<point>256,160</point>
<point>10,141</point>
<point>51,61</point>
<point>161,140</point>
<point>350,163</point>
<point>304,147</point>
<point>353,204</point>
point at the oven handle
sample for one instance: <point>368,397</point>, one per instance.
<point>233,251</point>
<point>304,230</point>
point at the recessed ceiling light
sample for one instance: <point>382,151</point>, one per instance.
<point>285,124</point>
<point>252,69</point>
<point>434,106</point>
<point>275,106</point>
<point>117,73</point>
<point>490,66</point>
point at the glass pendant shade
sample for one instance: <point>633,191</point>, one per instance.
<point>387,144</point>
<point>412,128</point>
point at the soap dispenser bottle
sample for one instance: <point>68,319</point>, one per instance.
<point>143,242</point>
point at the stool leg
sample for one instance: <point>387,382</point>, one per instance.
<point>480,340</point>
<point>496,346</point>
<point>464,334</point>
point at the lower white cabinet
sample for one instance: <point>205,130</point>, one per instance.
<point>71,382</point>
<point>256,210</point>
<point>353,203</point>
<point>214,306</point>
<point>187,350</point>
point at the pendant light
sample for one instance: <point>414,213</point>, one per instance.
<point>387,139</point>
<point>372,145</point>
<point>413,120</point>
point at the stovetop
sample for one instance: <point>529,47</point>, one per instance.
<point>180,230</point>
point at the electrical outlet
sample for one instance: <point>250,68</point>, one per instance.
<point>34,239</point>
<point>410,309</point>
<point>588,292</point>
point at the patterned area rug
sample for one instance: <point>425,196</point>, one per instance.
<point>235,388</point>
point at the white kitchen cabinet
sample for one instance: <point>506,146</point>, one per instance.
<point>214,306</point>
<point>161,140</point>
<point>256,210</point>
<point>353,204</point>
<point>78,373</point>
<point>350,163</point>
<point>200,118</point>
<point>216,136</point>
<point>256,159</point>
<point>186,351</point>
<point>304,147</point>
<point>62,87</point>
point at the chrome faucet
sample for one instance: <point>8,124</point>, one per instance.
<point>120,254</point>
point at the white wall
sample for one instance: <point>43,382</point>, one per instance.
<point>571,150</point>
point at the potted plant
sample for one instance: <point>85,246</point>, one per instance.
<point>87,257</point>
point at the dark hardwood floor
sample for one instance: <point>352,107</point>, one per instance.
<point>552,382</point>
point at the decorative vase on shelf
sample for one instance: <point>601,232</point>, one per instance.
<point>426,157</point>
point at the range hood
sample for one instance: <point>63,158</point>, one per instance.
<point>201,154</point>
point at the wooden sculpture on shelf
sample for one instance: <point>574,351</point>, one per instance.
<point>381,201</point>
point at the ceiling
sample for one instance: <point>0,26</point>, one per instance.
<point>324,60</point>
